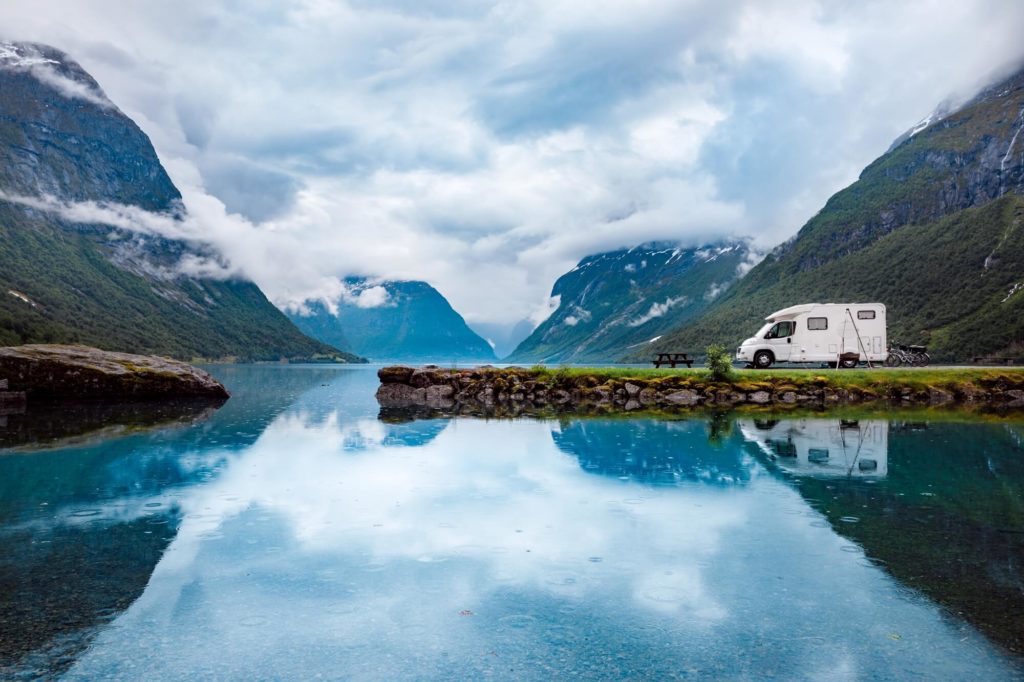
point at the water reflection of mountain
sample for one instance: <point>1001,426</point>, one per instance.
<point>77,542</point>
<point>57,586</point>
<point>947,517</point>
<point>656,452</point>
<point>87,505</point>
<point>87,500</point>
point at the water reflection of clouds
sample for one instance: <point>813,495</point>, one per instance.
<point>519,507</point>
<point>350,547</point>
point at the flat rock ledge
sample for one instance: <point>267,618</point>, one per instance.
<point>515,389</point>
<point>49,373</point>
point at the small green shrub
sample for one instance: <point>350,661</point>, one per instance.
<point>719,363</point>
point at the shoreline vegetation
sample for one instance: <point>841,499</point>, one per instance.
<point>513,390</point>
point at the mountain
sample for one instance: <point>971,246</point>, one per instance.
<point>66,154</point>
<point>626,299</point>
<point>932,228</point>
<point>406,321</point>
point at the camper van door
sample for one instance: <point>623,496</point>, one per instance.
<point>780,339</point>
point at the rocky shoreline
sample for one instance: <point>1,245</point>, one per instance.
<point>515,389</point>
<point>43,373</point>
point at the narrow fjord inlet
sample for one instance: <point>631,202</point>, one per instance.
<point>511,340</point>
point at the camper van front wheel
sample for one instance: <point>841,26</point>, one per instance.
<point>763,359</point>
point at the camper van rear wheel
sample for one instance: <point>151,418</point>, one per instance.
<point>763,359</point>
<point>849,363</point>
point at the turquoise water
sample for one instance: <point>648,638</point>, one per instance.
<point>293,534</point>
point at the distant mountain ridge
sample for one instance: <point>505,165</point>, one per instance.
<point>620,300</point>
<point>62,140</point>
<point>932,228</point>
<point>394,320</point>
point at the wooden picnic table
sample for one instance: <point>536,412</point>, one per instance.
<point>673,359</point>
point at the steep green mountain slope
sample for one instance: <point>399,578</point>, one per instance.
<point>921,231</point>
<point>621,300</point>
<point>412,322</point>
<point>71,282</point>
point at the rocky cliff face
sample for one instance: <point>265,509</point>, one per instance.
<point>947,163</point>
<point>621,300</point>
<point>63,143</point>
<point>932,229</point>
<point>63,137</point>
<point>408,321</point>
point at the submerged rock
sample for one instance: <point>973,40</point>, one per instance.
<point>56,372</point>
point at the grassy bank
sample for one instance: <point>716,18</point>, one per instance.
<point>879,380</point>
<point>631,389</point>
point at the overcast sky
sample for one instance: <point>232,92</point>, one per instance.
<point>485,147</point>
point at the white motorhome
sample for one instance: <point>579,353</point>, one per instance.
<point>844,333</point>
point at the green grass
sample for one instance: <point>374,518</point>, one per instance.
<point>874,379</point>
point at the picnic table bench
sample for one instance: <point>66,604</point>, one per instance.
<point>673,359</point>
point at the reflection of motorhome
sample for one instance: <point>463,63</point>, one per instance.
<point>819,332</point>
<point>822,447</point>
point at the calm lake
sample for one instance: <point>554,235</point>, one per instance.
<point>294,534</point>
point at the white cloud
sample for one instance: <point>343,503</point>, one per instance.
<point>658,310</point>
<point>372,297</point>
<point>487,148</point>
<point>715,290</point>
<point>544,310</point>
<point>70,88</point>
<point>754,256</point>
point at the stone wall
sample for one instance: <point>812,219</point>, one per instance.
<point>517,389</point>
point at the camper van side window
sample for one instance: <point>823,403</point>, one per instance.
<point>817,323</point>
<point>865,314</point>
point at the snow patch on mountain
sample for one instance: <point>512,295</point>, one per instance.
<point>27,57</point>
<point>21,57</point>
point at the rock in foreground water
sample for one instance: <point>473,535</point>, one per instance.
<point>56,372</point>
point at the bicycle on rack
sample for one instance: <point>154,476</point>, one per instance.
<point>902,354</point>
